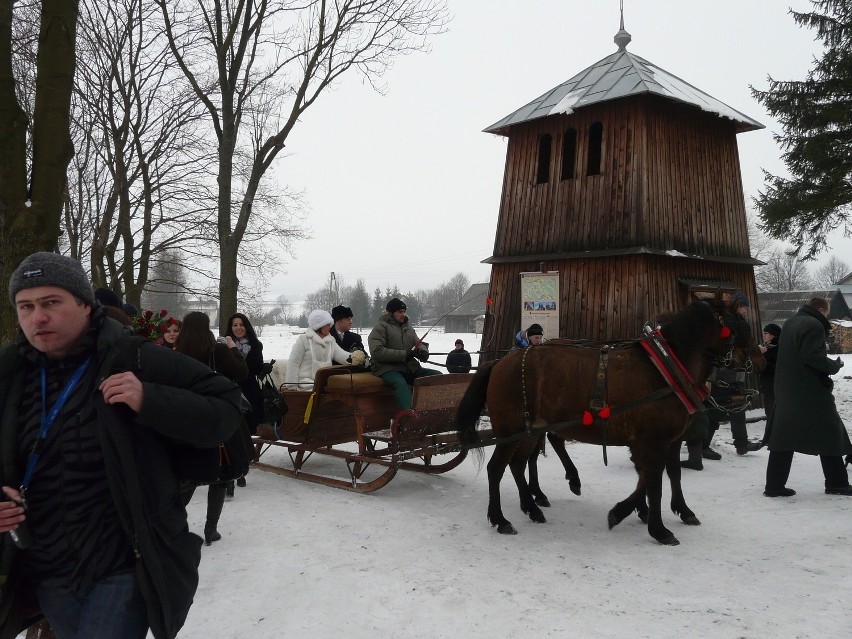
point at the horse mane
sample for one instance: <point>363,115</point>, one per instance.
<point>684,328</point>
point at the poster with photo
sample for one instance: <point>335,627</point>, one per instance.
<point>540,301</point>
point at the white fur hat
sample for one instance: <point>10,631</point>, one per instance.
<point>319,318</point>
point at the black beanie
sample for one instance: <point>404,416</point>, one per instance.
<point>535,329</point>
<point>107,297</point>
<point>395,305</point>
<point>772,329</point>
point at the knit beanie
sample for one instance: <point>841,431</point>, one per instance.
<point>107,297</point>
<point>51,269</point>
<point>772,329</point>
<point>740,298</point>
<point>535,329</point>
<point>319,318</point>
<point>395,305</point>
<point>340,312</point>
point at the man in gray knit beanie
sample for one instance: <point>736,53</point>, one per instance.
<point>52,269</point>
<point>93,419</point>
<point>54,300</point>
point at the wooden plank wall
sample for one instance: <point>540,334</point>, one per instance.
<point>670,180</point>
<point>606,298</point>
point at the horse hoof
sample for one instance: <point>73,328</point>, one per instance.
<point>538,517</point>
<point>643,516</point>
<point>506,529</point>
<point>574,485</point>
<point>671,540</point>
<point>542,501</point>
<point>690,520</point>
<point>612,519</point>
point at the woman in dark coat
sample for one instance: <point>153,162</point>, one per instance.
<point>196,341</point>
<point>242,332</point>
<point>805,418</point>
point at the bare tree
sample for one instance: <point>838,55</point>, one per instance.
<point>258,66</point>
<point>830,273</point>
<point>140,187</point>
<point>32,186</point>
<point>783,272</point>
<point>760,243</point>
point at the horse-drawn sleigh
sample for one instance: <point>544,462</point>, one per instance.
<point>620,394</point>
<point>353,416</point>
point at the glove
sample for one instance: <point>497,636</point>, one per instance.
<point>422,354</point>
<point>840,363</point>
<point>409,355</point>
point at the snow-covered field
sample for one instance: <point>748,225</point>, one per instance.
<point>418,559</point>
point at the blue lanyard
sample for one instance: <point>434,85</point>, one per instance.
<point>48,418</point>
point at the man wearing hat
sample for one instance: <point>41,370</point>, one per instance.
<point>395,349</point>
<point>341,331</point>
<point>806,420</point>
<point>89,444</point>
<point>738,305</point>
<point>459,360</point>
<point>533,336</point>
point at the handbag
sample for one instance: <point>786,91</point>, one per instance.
<point>228,461</point>
<point>274,406</point>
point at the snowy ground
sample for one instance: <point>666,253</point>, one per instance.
<point>418,559</point>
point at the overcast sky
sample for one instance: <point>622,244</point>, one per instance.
<point>404,188</point>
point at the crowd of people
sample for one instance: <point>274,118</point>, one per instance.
<point>99,542</point>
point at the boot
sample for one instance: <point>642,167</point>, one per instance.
<point>215,502</point>
<point>709,453</point>
<point>693,462</point>
<point>211,535</point>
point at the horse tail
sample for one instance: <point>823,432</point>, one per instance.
<point>471,405</point>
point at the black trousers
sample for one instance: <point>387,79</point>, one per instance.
<point>738,426</point>
<point>778,470</point>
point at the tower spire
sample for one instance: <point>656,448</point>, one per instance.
<point>622,38</point>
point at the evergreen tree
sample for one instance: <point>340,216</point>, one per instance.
<point>816,115</point>
<point>359,302</point>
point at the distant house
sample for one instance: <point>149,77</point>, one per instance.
<point>464,318</point>
<point>844,285</point>
<point>779,307</point>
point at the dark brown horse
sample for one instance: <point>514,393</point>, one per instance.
<point>550,387</point>
<point>744,357</point>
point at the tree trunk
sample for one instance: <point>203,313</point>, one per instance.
<point>30,220</point>
<point>229,283</point>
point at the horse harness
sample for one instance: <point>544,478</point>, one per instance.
<point>694,395</point>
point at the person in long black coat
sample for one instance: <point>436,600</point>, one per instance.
<point>806,419</point>
<point>771,334</point>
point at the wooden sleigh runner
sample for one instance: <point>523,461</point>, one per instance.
<point>353,416</point>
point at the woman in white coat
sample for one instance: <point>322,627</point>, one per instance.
<point>316,348</point>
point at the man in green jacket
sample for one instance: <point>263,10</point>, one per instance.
<point>395,349</point>
<point>805,419</point>
<point>86,464</point>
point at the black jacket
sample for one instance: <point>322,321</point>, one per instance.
<point>458,361</point>
<point>183,401</point>
<point>347,340</point>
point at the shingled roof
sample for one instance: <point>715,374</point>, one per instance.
<point>779,307</point>
<point>473,301</point>
<point>619,75</point>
